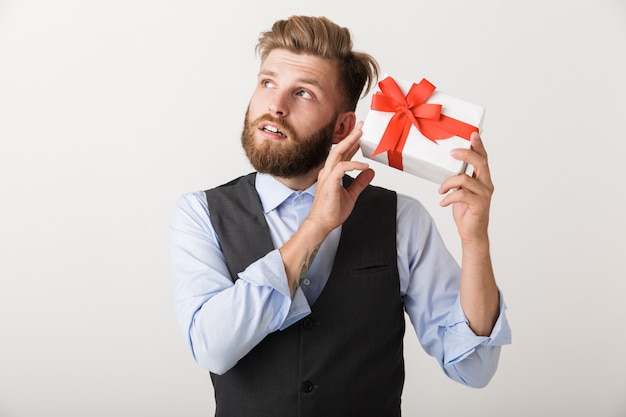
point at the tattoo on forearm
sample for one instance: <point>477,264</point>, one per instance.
<point>308,260</point>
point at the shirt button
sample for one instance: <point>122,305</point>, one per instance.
<point>307,386</point>
<point>308,323</point>
<point>306,281</point>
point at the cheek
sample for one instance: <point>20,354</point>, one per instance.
<point>258,104</point>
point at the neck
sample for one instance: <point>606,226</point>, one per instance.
<point>301,182</point>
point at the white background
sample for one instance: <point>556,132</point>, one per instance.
<point>109,111</point>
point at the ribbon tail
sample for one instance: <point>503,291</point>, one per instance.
<point>457,127</point>
<point>391,135</point>
<point>395,155</point>
<point>445,128</point>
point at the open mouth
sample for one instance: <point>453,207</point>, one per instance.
<point>274,130</point>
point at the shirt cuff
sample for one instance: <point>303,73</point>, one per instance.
<point>462,341</point>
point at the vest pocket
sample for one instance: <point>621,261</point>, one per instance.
<point>373,268</point>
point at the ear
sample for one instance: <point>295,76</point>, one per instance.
<point>344,125</point>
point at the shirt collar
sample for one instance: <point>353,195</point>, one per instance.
<point>273,193</point>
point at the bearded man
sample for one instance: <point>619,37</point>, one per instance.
<point>291,283</point>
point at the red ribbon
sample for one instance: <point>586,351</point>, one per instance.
<point>412,110</point>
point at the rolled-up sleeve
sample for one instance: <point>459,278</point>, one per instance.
<point>468,358</point>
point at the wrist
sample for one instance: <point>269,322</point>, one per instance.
<point>478,244</point>
<point>315,229</point>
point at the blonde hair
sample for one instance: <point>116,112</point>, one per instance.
<point>321,37</point>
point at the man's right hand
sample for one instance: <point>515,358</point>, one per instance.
<point>333,203</point>
<point>331,207</point>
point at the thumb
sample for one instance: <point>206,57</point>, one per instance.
<point>361,182</point>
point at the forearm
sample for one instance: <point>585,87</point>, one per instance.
<point>478,290</point>
<point>299,252</point>
<point>331,207</point>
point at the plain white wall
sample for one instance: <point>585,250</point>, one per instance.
<point>109,111</point>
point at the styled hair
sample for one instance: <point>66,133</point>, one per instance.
<point>319,36</point>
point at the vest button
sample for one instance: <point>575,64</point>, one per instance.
<point>307,386</point>
<point>308,323</point>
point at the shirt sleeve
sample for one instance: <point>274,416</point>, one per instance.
<point>223,320</point>
<point>429,281</point>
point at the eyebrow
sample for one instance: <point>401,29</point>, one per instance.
<point>307,81</point>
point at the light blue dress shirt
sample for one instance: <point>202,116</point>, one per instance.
<point>222,321</point>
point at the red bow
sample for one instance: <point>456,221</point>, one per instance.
<point>412,110</point>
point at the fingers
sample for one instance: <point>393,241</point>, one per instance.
<point>466,196</point>
<point>347,148</point>
<point>333,203</point>
<point>477,144</point>
<point>477,157</point>
<point>472,190</point>
<point>463,187</point>
<point>339,160</point>
<point>361,181</point>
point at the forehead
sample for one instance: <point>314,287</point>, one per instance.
<point>302,68</point>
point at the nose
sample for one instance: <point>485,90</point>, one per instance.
<point>278,105</point>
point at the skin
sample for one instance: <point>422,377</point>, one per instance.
<point>301,90</point>
<point>470,198</point>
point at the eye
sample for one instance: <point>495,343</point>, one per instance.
<point>304,93</point>
<point>267,84</point>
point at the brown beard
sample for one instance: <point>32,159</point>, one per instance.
<point>288,159</point>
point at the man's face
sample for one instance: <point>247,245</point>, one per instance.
<point>291,120</point>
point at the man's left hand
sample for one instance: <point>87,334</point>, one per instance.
<point>470,196</point>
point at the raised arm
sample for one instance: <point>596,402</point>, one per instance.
<point>332,205</point>
<point>471,199</point>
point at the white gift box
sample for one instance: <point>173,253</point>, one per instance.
<point>422,156</point>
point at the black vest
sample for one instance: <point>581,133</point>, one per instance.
<point>346,358</point>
